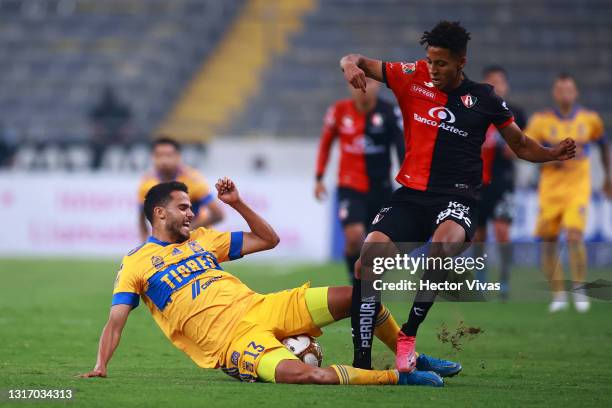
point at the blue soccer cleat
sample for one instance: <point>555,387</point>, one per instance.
<point>444,368</point>
<point>428,378</point>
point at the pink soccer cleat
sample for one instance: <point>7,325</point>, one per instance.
<point>405,356</point>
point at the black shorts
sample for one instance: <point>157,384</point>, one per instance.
<point>496,204</point>
<point>357,207</point>
<point>412,215</point>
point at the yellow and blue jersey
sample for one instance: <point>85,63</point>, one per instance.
<point>572,177</point>
<point>199,190</point>
<point>180,281</point>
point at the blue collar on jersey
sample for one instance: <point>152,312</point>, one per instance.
<point>157,241</point>
<point>180,170</point>
<point>571,115</point>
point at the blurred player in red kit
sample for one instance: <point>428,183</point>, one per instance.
<point>367,127</point>
<point>498,183</point>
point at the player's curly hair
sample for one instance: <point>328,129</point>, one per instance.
<point>159,196</point>
<point>447,34</point>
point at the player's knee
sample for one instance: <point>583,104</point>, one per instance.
<point>446,249</point>
<point>373,247</point>
<point>502,231</point>
<point>354,235</point>
<point>574,236</point>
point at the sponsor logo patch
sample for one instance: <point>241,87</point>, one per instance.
<point>442,118</point>
<point>458,211</point>
<point>422,91</point>
<point>380,215</point>
<point>408,67</point>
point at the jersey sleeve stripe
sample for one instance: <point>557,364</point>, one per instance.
<point>235,245</point>
<point>126,298</point>
<point>506,123</point>
<point>384,73</point>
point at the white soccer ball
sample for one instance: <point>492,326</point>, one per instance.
<point>306,348</point>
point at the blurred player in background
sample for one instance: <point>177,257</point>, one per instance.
<point>498,183</point>
<point>565,188</point>
<point>446,117</point>
<point>367,127</point>
<point>216,319</point>
<point>168,166</point>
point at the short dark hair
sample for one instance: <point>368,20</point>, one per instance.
<point>447,34</point>
<point>494,69</point>
<point>562,76</point>
<point>164,140</point>
<point>159,195</point>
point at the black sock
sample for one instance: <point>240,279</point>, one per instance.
<point>424,299</point>
<point>417,314</point>
<point>363,317</point>
<point>350,265</point>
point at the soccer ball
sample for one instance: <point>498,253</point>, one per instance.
<point>306,348</point>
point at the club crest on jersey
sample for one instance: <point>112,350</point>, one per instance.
<point>408,67</point>
<point>469,100</point>
<point>157,262</point>
<point>377,120</point>
<point>196,247</point>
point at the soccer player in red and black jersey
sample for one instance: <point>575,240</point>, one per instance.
<point>446,116</point>
<point>367,127</point>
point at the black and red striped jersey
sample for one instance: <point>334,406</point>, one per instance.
<point>365,144</point>
<point>443,132</point>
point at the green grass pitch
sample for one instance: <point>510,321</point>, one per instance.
<point>52,312</point>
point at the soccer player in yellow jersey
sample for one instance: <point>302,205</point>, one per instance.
<point>565,187</point>
<point>216,319</point>
<point>168,166</point>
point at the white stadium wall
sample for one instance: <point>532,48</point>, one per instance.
<point>83,214</point>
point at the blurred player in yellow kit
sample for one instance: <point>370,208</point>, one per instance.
<point>565,187</point>
<point>168,166</point>
<point>220,322</point>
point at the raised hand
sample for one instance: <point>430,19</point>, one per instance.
<point>227,191</point>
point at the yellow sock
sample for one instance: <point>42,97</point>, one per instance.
<point>578,261</point>
<point>552,266</point>
<point>386,328</point>
<point>348,375</point>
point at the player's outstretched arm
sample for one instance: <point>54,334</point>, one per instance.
<point>528,149</point>
<point>262,235</point>
<point>109,340</point>
<point>356,67</point>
